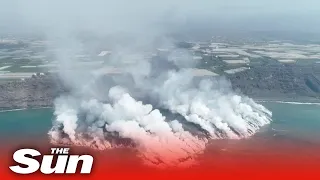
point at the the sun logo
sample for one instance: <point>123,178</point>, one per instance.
<point>65,163</point>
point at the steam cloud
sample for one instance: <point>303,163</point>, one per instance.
<point>169,117</point>
<point>155,104</point>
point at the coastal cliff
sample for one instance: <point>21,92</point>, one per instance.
<point>261,83</point>
<point>35,92</point>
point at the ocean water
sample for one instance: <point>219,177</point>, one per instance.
<point>31,123</point>
<point>300,122</point>
<point>297,122</point>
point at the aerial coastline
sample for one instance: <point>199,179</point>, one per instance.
<point>272,71</point>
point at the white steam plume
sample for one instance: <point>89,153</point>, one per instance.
<point>158,141</point>
<point>163,112</point>
<point>210,111</point>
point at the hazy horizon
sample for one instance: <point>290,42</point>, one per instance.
<point>103,17</point>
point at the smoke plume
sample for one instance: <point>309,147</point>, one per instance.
<point>169,117</point>
<point>143,94</point>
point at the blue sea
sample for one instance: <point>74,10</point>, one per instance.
<point>298,122</point>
